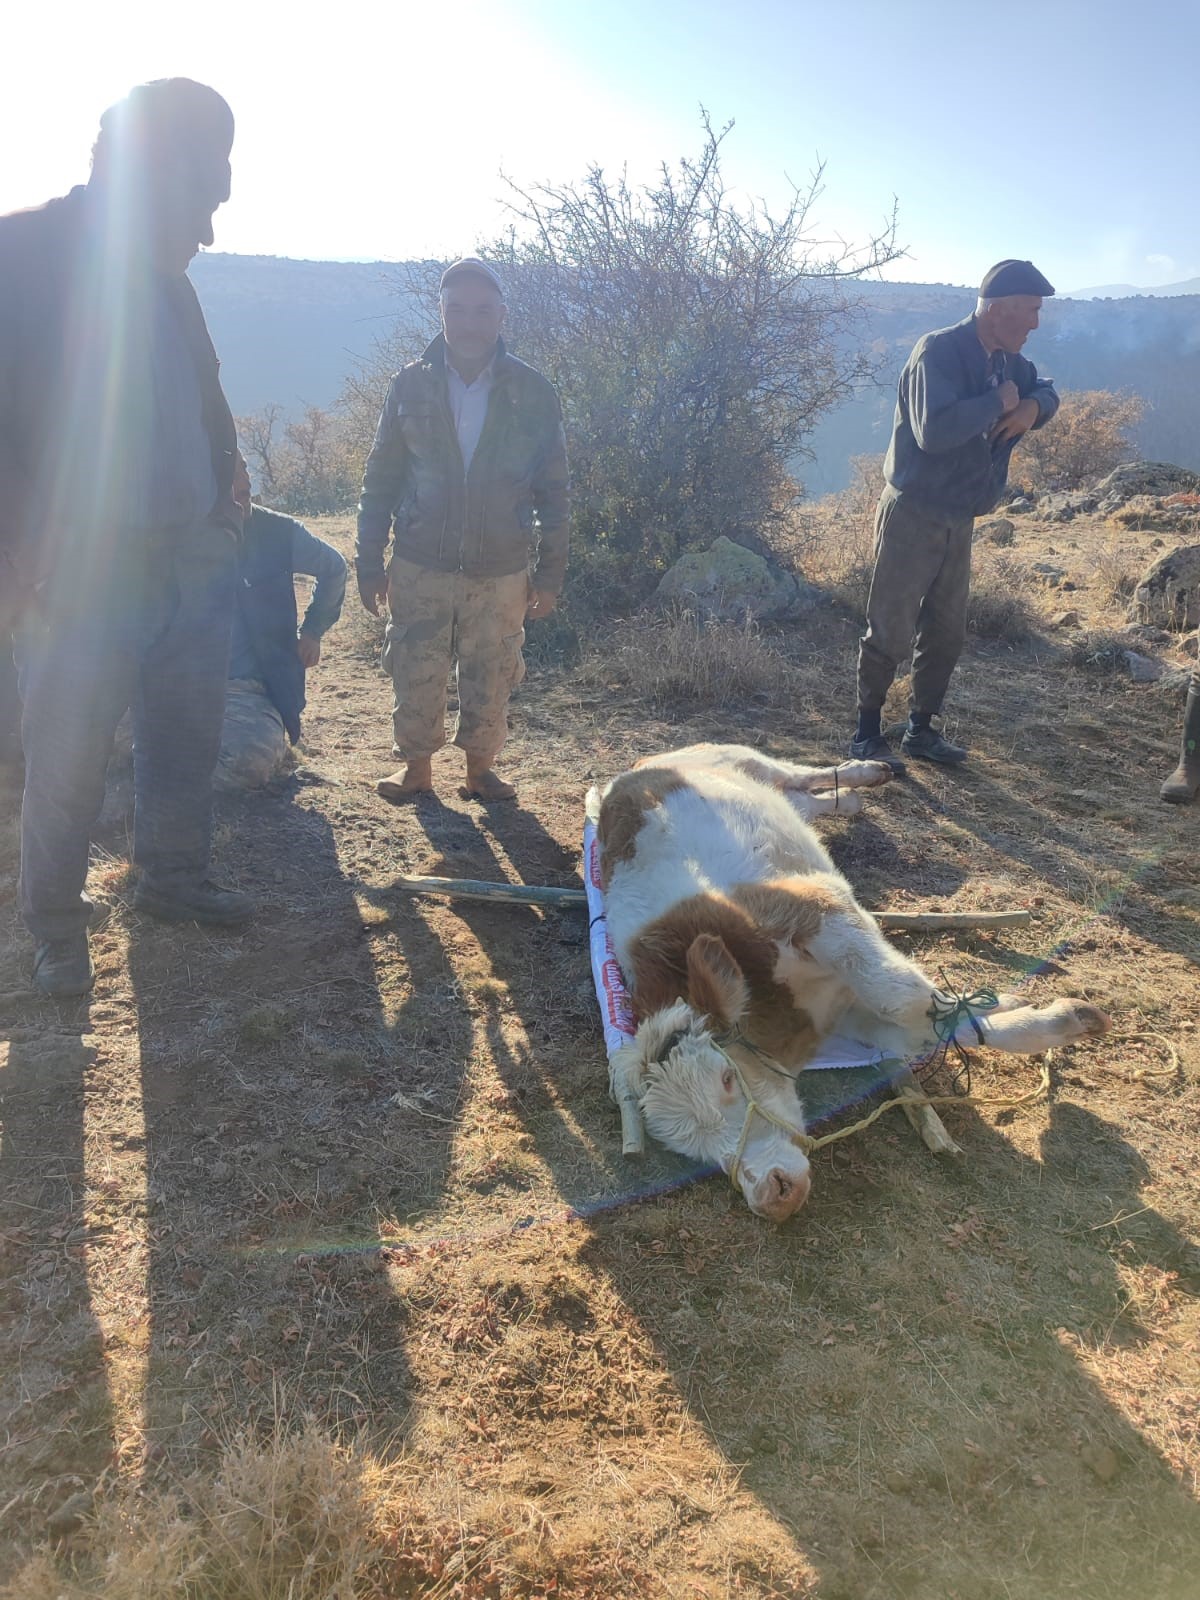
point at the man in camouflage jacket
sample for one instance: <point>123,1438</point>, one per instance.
<point>468,474</point>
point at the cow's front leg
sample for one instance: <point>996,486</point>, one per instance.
<point>849,775</point>
<point>1029,1030</point>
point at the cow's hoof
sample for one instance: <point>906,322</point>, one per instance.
<point>1091,1021</point>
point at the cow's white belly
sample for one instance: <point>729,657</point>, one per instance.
<point>711,835</point>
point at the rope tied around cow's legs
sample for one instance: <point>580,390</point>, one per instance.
<point>948,1010</point>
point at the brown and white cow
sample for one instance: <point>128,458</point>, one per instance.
<point>743,947</point>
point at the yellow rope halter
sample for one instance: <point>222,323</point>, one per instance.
<point>1041,1091</point>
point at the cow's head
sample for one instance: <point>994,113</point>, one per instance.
<point>693,1094</point>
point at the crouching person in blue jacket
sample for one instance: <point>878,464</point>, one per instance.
<point>270,654</point>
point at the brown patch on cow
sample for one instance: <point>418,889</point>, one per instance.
<point>623,811</point>
<point>791,912</point>
<point>788,909</point>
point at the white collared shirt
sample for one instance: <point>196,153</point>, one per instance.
<point>468,407</point>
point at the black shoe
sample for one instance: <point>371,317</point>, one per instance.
<point>876,748</point>
<point>62,968</point>
<point>927,744</point>
<point>194,902</point>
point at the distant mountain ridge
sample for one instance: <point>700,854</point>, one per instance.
<point>290,332</point>
<point>1129,291</point>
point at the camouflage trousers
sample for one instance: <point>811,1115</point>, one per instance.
<point>441,620</point>
<point>253,739</point>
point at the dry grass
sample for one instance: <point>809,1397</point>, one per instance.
<point>1005,599</point>
<point>321,1273</point>
<point>682,660</point>
<point>838,545</point>
<point>295,1519</point>
<point>1116,569</point>
<point>1100,650</point>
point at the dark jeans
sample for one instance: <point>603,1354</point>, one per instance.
<point>154,638</point>
<point>920,587</point>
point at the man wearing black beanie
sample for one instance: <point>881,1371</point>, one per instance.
<point>966,396</point>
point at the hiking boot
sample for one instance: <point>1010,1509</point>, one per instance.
<point>1182,787</point>
<point>62,968</point>
<point>193,902</point>
<point>927,744</point>
<point>876,748</point>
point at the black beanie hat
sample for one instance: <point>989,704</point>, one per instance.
<point>1014,277</point>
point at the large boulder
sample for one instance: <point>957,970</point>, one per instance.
<point>1169,593</point>
<point>1156,478</point>
<point>731,582</point>
<point>996,530</point>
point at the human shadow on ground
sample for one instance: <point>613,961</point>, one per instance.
<point>300,1083</point>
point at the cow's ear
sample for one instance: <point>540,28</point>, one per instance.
<point>716,984</point>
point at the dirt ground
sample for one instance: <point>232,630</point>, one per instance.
<point>349,1182</point>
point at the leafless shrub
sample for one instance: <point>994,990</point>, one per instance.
<point>840,533</point>
<point>1099,650</point>
<point>695,341</point>
<point>1086,439</point>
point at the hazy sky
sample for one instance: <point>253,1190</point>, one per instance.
<point>1063,130</point>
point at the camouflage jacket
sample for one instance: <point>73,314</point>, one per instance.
<point>485,522</point>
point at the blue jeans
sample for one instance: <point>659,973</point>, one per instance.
<point>154,637</point>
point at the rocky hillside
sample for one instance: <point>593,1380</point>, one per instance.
<point>289,332</point>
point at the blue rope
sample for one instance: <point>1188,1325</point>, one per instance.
<point>948,1009</point>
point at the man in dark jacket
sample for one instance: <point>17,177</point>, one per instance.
<point>270,654</point>
<point>118,530</point>
<point>966,396</point>
<point>468,474</point>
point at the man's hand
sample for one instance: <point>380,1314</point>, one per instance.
<point>1017,422</point>
<point>1010,396</point>
<point>373,591</point>
<point>309,650</point>
<point>541,604</point>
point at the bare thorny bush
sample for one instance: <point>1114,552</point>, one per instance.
<point>832,541</point>
<point>309,467</point>
<point>694,341</point>
<point>1090,435</point>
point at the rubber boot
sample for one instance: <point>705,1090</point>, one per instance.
<point>1183,785</point>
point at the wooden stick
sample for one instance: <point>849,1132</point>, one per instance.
<point>923,1117</point>
<point>939,921</point>
<point>521,894</point>
<point>526,894</point>
<point>633,1133</point>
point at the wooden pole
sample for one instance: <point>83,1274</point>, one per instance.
<point>941,921</point>
<point>923,1117</point>
<point>525,894</point>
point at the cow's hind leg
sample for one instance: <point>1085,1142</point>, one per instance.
<point>790,775</point>
<point>844,803</point>
<point>849,775</point>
